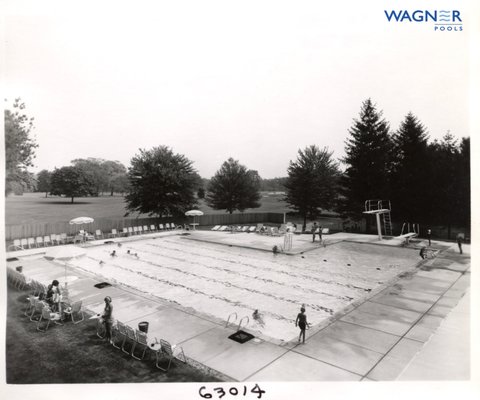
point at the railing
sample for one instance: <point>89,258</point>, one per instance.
<point>231,315</point>
<point>240,323</point>
<point>372,205</point>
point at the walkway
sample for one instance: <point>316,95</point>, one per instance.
<point>375,340</point>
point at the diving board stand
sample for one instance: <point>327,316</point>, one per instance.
<point>381,209</point>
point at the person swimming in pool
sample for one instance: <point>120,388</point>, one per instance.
<point>258,318</point>
<point>302,323</point>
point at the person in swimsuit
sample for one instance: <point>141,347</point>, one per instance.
<point>108,318</point>
<point>302,323</point>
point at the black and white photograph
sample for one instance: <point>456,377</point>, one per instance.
<point>239,199</point>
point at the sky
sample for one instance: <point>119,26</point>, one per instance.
<point>252,80</point>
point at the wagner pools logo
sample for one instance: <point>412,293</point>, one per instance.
<point>439,20</point>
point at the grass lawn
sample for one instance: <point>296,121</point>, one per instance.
<point>34,208</point>
<point>74,354</point>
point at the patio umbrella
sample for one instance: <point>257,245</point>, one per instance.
<point>81,221</point>
<point>64,253</point>
<point>193,213</point>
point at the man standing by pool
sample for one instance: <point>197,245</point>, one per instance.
<point>314,231</point>
<point>302,323</point>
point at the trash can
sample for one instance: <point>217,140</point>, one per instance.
<point>143,326</point>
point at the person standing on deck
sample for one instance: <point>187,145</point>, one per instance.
<point>429,236</point>
<point>314,231</point>
<point>107,318</point>
<point>459,242</point>
<point>302,323</point>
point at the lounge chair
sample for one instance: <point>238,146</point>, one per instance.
<point>75,312</point>
<point>113,233</point>
<point>30,305</point>
<point>258,229</point>
<point>130,336</point>
<point>130,231</point>
<point>251,229</point>
<point>161,227</point>
<point>24,243</point>
<point>125,232</point>
<point>16,245</point>
<point>98,234</point>
<point>152,228</point>
<point>169,352</point>
<point>325,231</point>
<point>140,342</point>
<point>119,332</point>
<point>48,316</point>
<point>53,238</point>
<point>216,228</point>
<point>245,228</point>
<point>135,230</point>
<point>47,241</point>
<point>223,228</point>
<point>38,307</point>
<point>39,241</point>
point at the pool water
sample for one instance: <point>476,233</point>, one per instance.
<point>217,280</point>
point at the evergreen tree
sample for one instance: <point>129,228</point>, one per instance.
<point>411,175</point>
<point>367,160</point>
<point>312,182</point>
<point>162,183</point>
<point>450,191</point>
<point>463,180</point>
<point>234,187</point>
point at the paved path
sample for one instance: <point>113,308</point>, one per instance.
<point>376,340</point>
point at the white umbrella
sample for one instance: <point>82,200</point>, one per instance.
<point>64,252</point>
<point>193,213</point>
<point>81,221</point>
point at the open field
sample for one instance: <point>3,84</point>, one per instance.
<point>35,208</point>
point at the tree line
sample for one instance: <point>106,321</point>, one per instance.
<point>426,181</point>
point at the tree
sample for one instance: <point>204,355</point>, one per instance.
<point>116,175</point>
<point>451,192</point>
<point>367,159</point>
<point>44,181</point>
<point>95,170</point>
<point>234,187</point>
<point>71,182</point>
<point>161,183</point>
<point>19,147</point>
<point>410,175</point>
<point>312,182</point>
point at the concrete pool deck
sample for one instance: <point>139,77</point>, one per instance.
<point>379,339</point>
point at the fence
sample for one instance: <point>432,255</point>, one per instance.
<point>106,225</point>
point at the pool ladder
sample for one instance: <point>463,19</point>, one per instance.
<point>236,317</point>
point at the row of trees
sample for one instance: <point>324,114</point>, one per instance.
<point>427,182</point>
<point>85,177</point>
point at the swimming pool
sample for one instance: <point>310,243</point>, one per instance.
<point>216,280</point>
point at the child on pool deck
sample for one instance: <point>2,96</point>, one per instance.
<point>302,323</point>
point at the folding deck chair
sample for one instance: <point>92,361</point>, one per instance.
<point>130,336</point>
<point>16,245</point>
<point>169,352</point>
<point>48,316</point>
<point>141,342</point>
<point>75,312</point>
<point>119,331</point>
